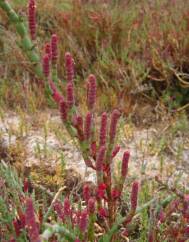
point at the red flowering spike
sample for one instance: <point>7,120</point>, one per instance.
<point>67,207</point>
<point>86,193</point>
<point>22,218</point>
<point>83,221</point>
<point>70,95</point>
<point>134,195</point>
<point>26,185</point>
<point>125,162</point>
<point>103,212</point>
<point>69,64</point>
<point>89,163</point>
<point>59,210</point>
<point>88,126</point>
<point>115,194</point>
<point>100,193</point>
<point>151,236</point>
<point>100,158</point>
<point>91,91</point>
<point>77,240</point>
<point>102,186</point>
<point>103,129</point>
<point>32,18</point>
<point>91,205</point>
<point>46,65</point>
<point>63,110</point>
<point>33,229</point>
<point>17,227</point>
<point>48,50</point>
<point>12,240</point>
<point>115,151</point>
<point>161,217</point>
<point>113,125</point>
<point>55,93</point>
<point>54,49</point>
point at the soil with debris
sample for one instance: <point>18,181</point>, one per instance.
<point>41,141</point>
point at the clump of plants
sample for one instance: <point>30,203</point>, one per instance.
<point>170,218</point>
<point>98,213</point>
<point>116,41</point>
<point>98,146</point>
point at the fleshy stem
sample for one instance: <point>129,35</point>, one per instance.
<point>26,43</point>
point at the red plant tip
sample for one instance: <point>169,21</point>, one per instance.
<point>89,163</point>
<point>103,212</point>
<point>55,93</point>
<point>67,207</point>
<point>54,48</point>
<point>22,218</point>
<point>102,186</point>
<point>46,65</point>
<point>125,162</point>
<point>115,194</point>
<point>77,240</point>
<point>134,195</point>
<point>151,236</point>
<point>83,221</point>
<point>17,227</point>
<point>91,205</point>
<point>70,95</point>
<point>161,217</point>
<point>100,193</point>
<point>103,128</point>
<point>32,226</point>
<point>58,208</point>
<point>12,240</point>
<point>69,64</point>
<point>88,126</point>
<point>86,193</point>
<point>48,50</point>
<point>113,125</point>
<point>26,185</point>
<point>100,158</point>
<point>115,151</point>
<point>32,18</point>
<point>63,110</point>
<point>91,91</point>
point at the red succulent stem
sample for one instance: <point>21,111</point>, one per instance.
<point>32,227</point>
<point>113,125</point>
<point>134,197</point>
<point>46,65</point>
<point>32,18</point>
<point>48,50</point>
<point>55,93</point>
<point>69,65</point>
<point>91,92</point>
<point>63,110</point>
<point>103,129</point>
<point>70,95</point>
<point>115,151</point>
<point>54,49</point>
<point>124,169</point>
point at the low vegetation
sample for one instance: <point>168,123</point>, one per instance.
<point>133,50</point>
